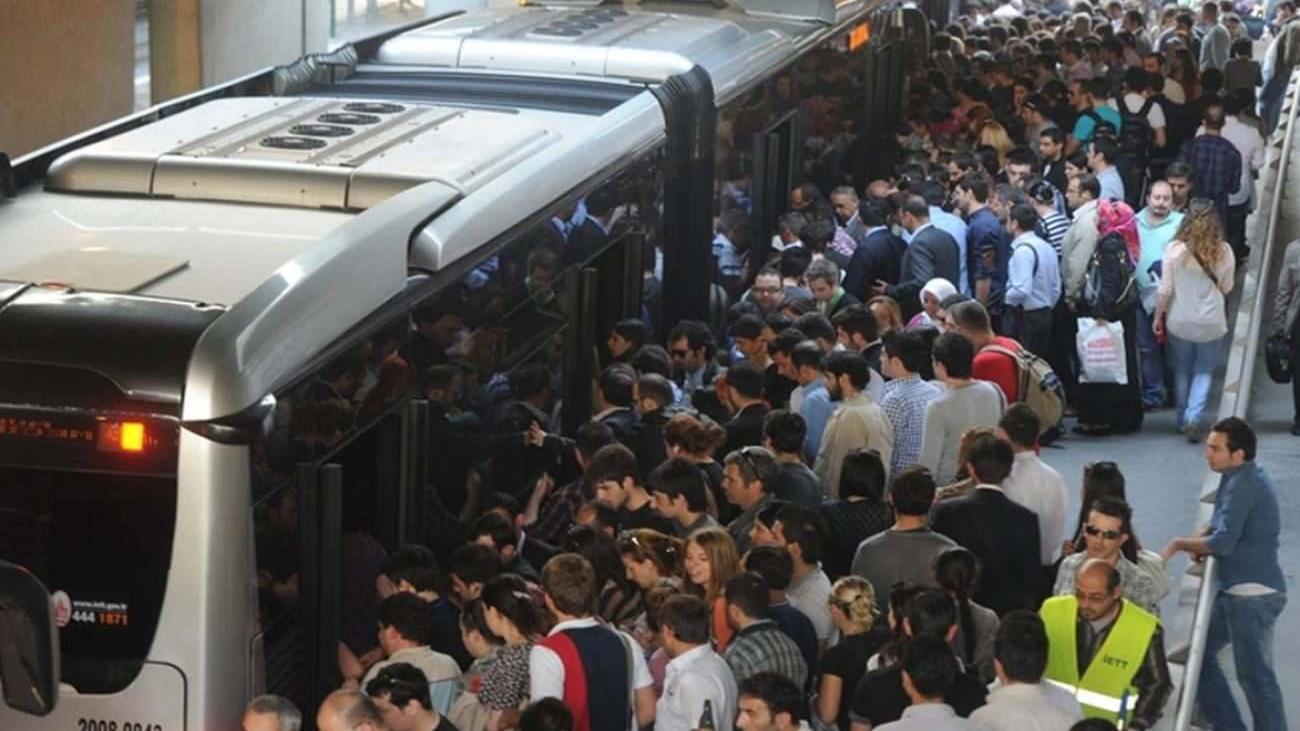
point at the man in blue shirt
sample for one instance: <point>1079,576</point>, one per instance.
<point>1243,538</point>
<point>1157,225</point>
<point>1089,99</point>
<point>815,404</point>
<point>985,237</point>
<point>1033,283</point>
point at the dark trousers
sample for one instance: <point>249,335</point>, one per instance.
<point>1062,351</point>
<point>1032,328</point>
<point>1295,370</point>
<point>1236,229</point>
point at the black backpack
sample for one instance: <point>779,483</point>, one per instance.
<point>1136,135</point>
<point>1110,283</point>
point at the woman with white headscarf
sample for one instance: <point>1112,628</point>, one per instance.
<point>932,296</point>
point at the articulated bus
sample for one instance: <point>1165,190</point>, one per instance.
<point>221,319</point>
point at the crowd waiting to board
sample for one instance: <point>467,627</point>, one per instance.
<point>826,507</point>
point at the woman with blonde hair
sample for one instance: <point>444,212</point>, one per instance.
<point>1196,275</point>
<point>994,135</point>
<point>712,559</point>
<point>853,610</point>
<point>650,556</point>
<point>697,440</point>
<point>889,316</point>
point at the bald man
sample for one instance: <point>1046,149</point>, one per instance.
<point>1107,650</point>
<point>349,710</point>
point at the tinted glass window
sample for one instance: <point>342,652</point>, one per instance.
<point>107,576</point>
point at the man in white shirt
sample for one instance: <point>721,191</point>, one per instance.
<point>578,641</point>
<point>695,674</point>
<point>1033,282</point>
<point>1033,483</point>
<point>1020,701</point>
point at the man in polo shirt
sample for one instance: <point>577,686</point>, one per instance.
<point>1157,225</point>
<point>599,673</point>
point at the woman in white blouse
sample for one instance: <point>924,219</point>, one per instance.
<point>1196,275</point>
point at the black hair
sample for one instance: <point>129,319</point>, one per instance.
<point>498,527</point>
<point>1021,424</point>
<point>786,341</point>
<point>1056,134</point>
<point>857,320</point>
<point>600,550</point>
<point>1241,437</point>
<point>652,359</point>
<point>651,386</point>
<point>632,330</point>
<point>773,564</point>
<point>402,683</point>
<point>509,595</point>
<point>817,235</point>
<point>1021,646</point>
<point>415,565</point>
<point>909,347</point>
<point>957,571</point>
<point>592,435</point>
<point>697,335</point>
<point>955,353</point>
<point>474,563</point>
<point>749,593</point>
<point>613,463</point>
<point>617,383</point>
<point>977,183</point>
<point>815,326</point>
<point>1025,216</point>
<point>528,381</point>
<point>841,362</point>
<point>472,618</point>
<point>547,714</point>
<point>409,615</point>
<point>912,491</point>
<point>930,664</point>
<point>1106,147</point>
<point>808,353</point>
<point>747,326</point>
<point>805,528</point>
<point>931,613</point>
<point>1042,191</point>
<point>1089,184</point>
<point>786,430</point>
<point>689,616</point>
<point>863,475</point>
<point>679,476</point>
<point>747,379</point>
<point>778,693</point>
<point>990,459</point>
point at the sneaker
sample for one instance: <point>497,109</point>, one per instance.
<point>1193,433</point>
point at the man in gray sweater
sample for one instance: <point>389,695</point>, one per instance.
<point>905,551</point>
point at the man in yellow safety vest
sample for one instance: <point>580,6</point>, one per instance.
<point>1106,650</point>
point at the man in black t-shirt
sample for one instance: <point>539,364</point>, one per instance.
<point>880,697</point>
<point>783,434</point>
<point>614,473</point>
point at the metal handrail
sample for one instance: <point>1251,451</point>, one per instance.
<point>1236,401</point>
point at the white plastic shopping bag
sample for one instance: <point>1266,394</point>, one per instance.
<point>1101,352</point>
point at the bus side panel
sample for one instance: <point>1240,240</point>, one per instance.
<point>155,701</point>
<point>208,612</point>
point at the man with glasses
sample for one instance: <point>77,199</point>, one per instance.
<point>1108,537</point>
<point>1107,651</point>
<point>747,479</point>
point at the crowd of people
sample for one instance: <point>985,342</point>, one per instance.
<point>830,510</point>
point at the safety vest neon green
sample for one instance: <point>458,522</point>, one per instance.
<point>1106,690</point>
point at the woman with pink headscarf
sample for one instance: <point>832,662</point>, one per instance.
<point>1110,408</point>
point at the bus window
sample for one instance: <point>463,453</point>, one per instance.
<point>106,577</point>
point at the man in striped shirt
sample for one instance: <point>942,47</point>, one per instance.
<point>758,645</point>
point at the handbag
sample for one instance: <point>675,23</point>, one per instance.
<point>1277,356</point>
<point>1102,356</point>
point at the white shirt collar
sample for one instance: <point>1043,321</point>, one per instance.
<point>689,657</point>
<point>582,623</point>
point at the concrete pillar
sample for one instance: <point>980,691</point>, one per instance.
<point>199,43</point>
<point>65,66</point>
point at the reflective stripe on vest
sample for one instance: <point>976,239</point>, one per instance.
<point>1106,686</point>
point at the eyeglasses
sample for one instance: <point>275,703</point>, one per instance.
<point>1109,535</point>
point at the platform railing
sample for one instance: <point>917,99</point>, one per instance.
<point>1247,332</point>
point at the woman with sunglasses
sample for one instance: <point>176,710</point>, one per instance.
<point>1197,274</point>
<point>513,615</point>
<point>1108,535</point>
<point>712,559</point>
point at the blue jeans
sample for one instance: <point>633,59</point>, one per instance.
<point>1245,622</point>
<point>1194,365</point>
<point>1151,356</point>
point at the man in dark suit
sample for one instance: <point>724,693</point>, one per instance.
<point>1002,534</point>
<point>876,259</point>
<point>593,233</point>
<point>932,253</point>
<point>744,395</point>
